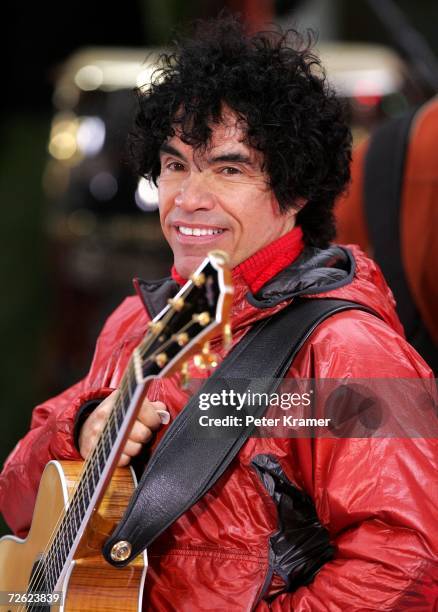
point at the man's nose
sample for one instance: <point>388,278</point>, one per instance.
<point>195,192</point>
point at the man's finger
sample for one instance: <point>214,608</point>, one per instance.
<point>140,433</point>
<point>132,448</point>
<point>124,460</point>
<point>149,415</point>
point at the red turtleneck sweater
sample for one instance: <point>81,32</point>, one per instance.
<point>267,262</point>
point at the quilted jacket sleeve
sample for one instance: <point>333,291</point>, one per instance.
<point>51,434</point>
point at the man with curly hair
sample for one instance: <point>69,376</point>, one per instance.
<point>250,148</point>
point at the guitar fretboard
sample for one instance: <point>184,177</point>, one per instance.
<point>90,481</point>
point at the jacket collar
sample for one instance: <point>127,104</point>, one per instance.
<point>315,271</point>
<point>154,294</point>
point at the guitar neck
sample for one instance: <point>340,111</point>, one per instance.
<point>97,471</point>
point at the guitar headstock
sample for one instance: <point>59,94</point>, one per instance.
<point>191,318</point>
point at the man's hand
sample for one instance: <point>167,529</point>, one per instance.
<point>150,418</point>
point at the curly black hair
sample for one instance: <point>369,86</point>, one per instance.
<point>275,83</point>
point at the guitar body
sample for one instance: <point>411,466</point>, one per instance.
<point>91,583</point>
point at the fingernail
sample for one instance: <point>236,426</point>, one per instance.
<point>164,417</point>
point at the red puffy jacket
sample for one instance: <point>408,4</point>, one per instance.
<point>377,497</point>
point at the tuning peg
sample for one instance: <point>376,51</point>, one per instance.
<point>199,361</point>
<point>198,280</point>
<point>213,361</point>
<point>182,338</point>
<point>203,318</point>
<point>176,303</point>
<point>206,359</point>
<point>161,359</point>
<point>185,376</point>
<point>227,336</point>
<point>156,327</point>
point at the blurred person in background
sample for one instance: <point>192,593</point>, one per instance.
<point>391,211</point>
<point>250,150</point>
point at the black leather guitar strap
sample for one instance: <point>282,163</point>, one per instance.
<point>184,466</point>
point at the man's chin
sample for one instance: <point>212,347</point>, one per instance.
<point>188,265</point>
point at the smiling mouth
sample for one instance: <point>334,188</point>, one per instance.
<point>198,231</point>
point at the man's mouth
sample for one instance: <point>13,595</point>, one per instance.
<point>198,231</point>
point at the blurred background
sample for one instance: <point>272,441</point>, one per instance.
<point>76,225</point>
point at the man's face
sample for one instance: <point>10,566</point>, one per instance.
<point>217,199</point>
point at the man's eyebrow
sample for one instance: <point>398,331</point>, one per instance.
<point>167,148</point>
<point>224,157</point>
<point>232,157</point>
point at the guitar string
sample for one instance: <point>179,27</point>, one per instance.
<point>39,579</point>
<point>93,461</point>
<point>55,560</point>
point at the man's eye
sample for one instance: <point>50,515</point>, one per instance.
<point>174,166</point>
<point>230,170</point>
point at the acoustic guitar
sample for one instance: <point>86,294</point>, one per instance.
<point>59,566</point>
